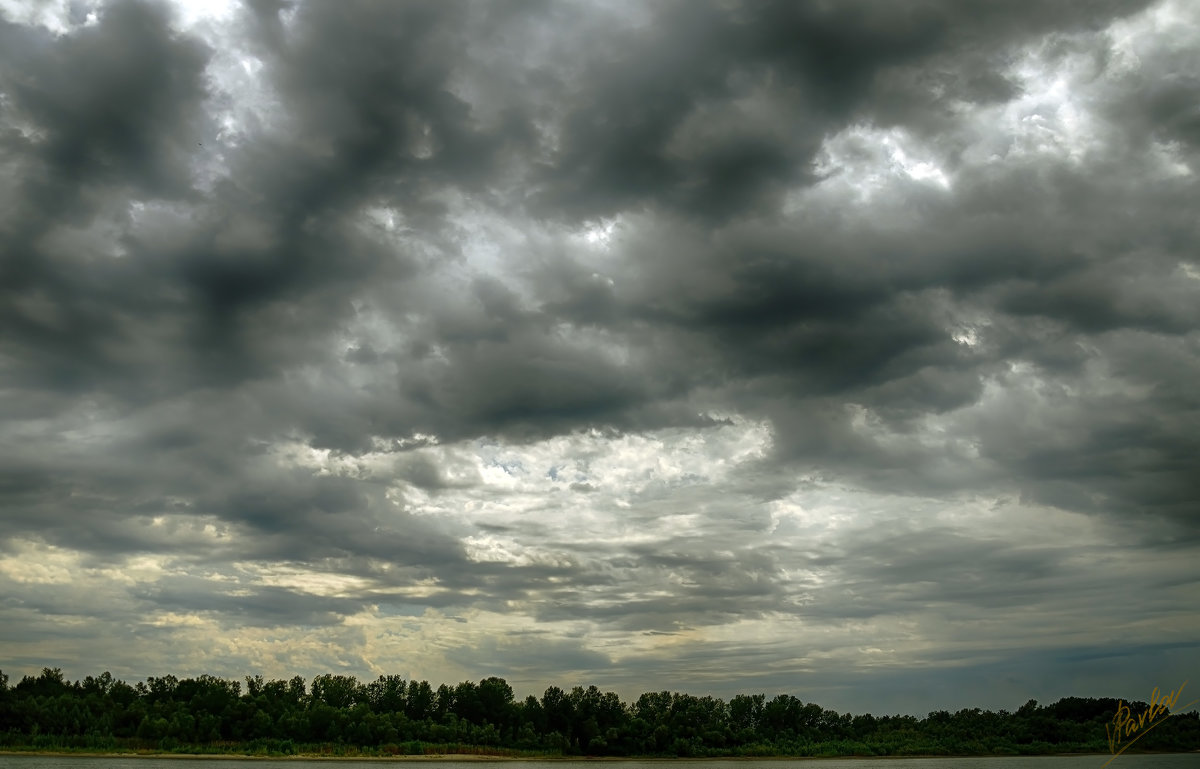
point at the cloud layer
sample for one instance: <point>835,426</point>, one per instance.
<point>844,349</point>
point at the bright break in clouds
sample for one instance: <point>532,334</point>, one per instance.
<point>848,350</point>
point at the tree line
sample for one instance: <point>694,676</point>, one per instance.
<point>341,715</point>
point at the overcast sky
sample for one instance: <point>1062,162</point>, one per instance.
<point>848,350</point>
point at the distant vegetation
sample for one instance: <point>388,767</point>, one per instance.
<point>339,715</point>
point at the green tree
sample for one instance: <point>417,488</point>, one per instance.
<point>465,703</point>
<point>418,706</point>
<point>496,703</point>
<point>387,694</point>
<point>337,691</point>
<point>560,715</point>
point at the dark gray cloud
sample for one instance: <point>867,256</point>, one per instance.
<point>643,344</point>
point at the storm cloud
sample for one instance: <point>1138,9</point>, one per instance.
<point>707,346</point>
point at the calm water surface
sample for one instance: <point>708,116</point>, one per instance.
<point>1173,761</point>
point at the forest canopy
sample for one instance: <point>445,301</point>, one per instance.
<point>341,715</point>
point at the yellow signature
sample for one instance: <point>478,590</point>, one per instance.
<point>1125,726</point>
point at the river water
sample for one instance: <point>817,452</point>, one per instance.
<point>1168,761</point>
